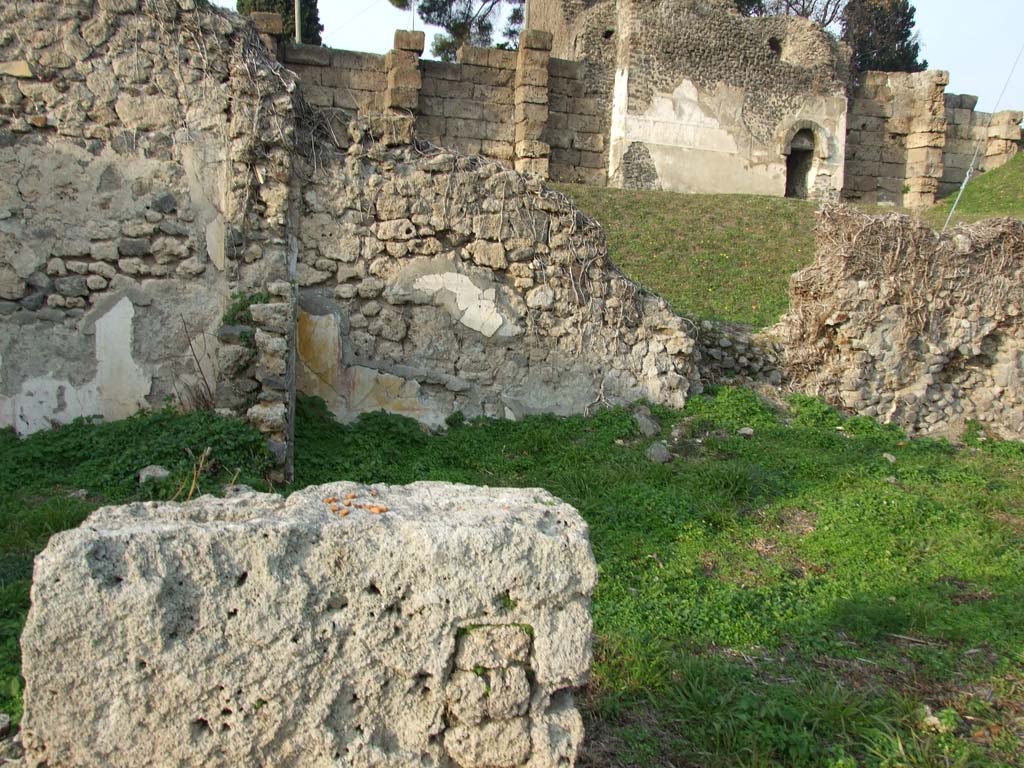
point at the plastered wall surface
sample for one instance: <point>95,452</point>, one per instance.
<point>432,283</point>
<point>698,98</point>
<point>145,149</point>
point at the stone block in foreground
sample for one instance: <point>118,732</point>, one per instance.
<point>448,630</point>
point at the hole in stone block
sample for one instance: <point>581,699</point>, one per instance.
<point>372,589</point>
<point>775,44</point>
<point>200,727</point>
<point>608,34</point>
<point>337,602</point>
<point>242,577</point>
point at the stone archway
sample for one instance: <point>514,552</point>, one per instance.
<point>800,164</point>
<point>804,144</point>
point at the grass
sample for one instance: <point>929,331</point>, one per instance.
<point>997,193</point>
<point>52,480</point>
<point>729,257</point>
<point>722,257</point>
<point>792,599</point>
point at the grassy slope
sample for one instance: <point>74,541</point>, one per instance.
<point>726,257</point>
<point>729,257</point>
<point>996,193</point>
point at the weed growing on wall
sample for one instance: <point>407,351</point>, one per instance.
<point>238,312</point>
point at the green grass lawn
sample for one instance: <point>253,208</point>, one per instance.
<point>996,193</point>
<point>723,257</point>
<point>793,599</point>
<point>729,257</point>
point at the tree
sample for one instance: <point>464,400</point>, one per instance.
<point>465,21</point>
<point>881,34</point>
<point>824,12</point>
<point>310,14</point>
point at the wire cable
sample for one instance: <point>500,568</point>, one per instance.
<point>977,149</point>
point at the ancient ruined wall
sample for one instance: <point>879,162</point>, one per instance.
<point>433,283</point>
<point>895,139</point>
<point>576,127</point>
<point>145,155</point>
<point>343,79</point>
<point>923,330</point>
<point>987,140</point>
<point>511,106</point>
<point>909,142</point>
<point>468,105</point>
<point>700,99</point>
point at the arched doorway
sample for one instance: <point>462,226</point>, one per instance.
<point>799,164</point>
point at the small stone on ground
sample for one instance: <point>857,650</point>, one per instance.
<point>659,453</point>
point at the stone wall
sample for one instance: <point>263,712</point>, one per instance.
<point>428,624</point>
<point>330,78</point>
<point>468,105</point>
<point>909,142</point>
<point>522,108</point>
<point>433,283</point>
<point>988,140</point>
<point>897,322</point>
<point>697,98</point>
<point>146,152</point>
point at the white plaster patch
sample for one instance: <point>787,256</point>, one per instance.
<point>474,307</point>
<point>118,390</point>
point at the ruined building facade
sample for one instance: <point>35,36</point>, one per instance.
<point>682,95</point>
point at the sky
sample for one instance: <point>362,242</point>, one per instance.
<point>976,41</point>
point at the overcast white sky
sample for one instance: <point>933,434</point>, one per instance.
<point>975,40</point>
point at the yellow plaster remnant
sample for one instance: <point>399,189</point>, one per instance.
<point>15,68</point>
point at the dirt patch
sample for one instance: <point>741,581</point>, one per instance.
<point>798,522</point>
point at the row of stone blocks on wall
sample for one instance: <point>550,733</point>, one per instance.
<point>523,108</point>
<point>908,141</point>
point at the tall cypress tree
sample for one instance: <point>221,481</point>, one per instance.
<point>881,34</point>
<point>308,11</point>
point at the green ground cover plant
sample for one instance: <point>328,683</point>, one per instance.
<point>824,593</point>
<point>729,257</point>
<point>721,257</point>
<point>997,193</point>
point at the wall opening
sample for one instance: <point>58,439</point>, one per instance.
<point>775,45</point>
<point>799,164</point>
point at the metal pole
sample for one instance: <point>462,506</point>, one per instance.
<point>298,24</point>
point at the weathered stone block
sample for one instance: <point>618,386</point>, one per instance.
<point>413,42</point>
<point>572,70</point>
<point>357,60</point>
<point>536,165</point>
<point>536,39</point>
<point>401,98</point>
<point>258,629</point>
<point>501,59</point>
<point>267,23</point>
<point>18,68</point>
<point>310,55</point>
<point>532,76</point>
<point>468,54</point>
<point>529,94</point>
